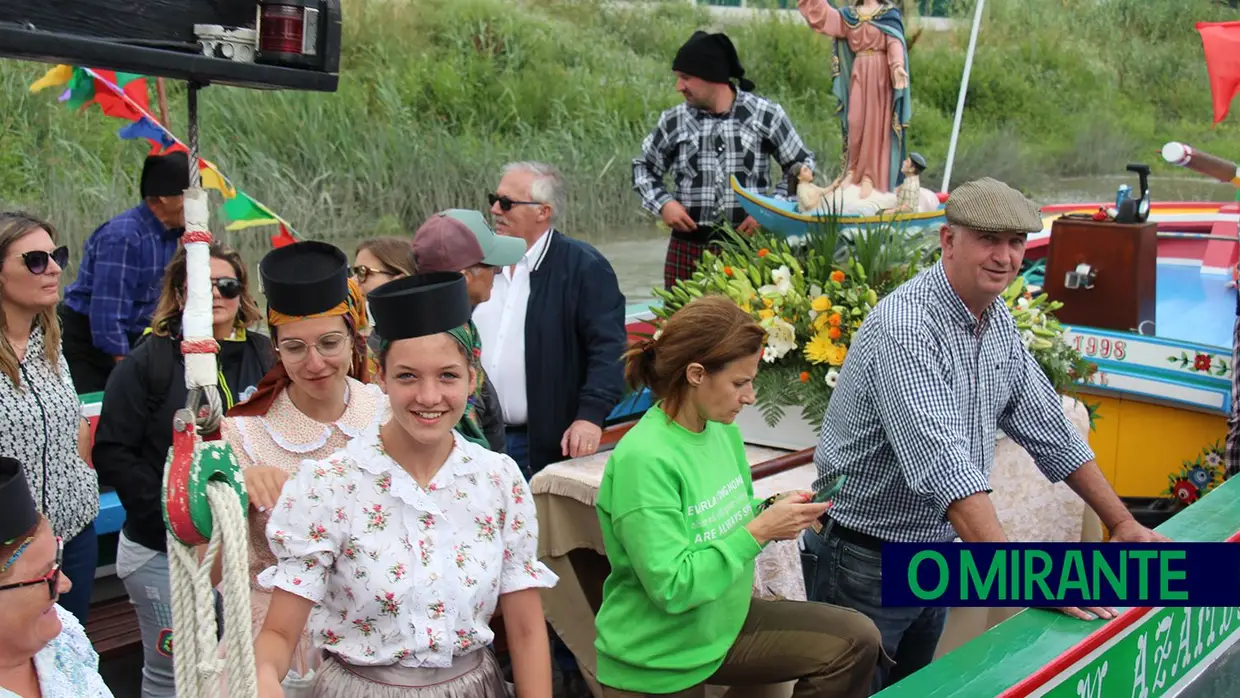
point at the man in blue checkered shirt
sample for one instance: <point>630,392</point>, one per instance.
<point>717,132</point>
<point>934,371</point>
<point>118,283</point>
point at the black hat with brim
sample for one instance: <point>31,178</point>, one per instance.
<point>17,510</point>
<point>419,305</point>
<point>305,278</point>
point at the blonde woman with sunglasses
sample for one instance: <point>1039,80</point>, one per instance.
<point>314,400</point>
<point>44,427</point>
<point>135,432</point>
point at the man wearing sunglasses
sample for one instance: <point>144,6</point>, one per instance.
<point>109,304</point>
<point>717,132</point>
<point>553,329</point>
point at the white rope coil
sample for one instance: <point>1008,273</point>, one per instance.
<point>195,655</point>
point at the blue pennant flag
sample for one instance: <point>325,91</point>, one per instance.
<point>145,128</point>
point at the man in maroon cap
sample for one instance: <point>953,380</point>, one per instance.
<point>459,240</point>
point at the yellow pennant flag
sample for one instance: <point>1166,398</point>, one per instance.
<point>60,75</point>
<point>211,179</point>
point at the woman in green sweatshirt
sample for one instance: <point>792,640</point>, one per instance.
<point>677,511</point>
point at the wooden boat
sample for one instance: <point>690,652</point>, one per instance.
<point>781,216</point>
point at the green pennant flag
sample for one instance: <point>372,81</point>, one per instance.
<point>81,88</point>
<point>245,212</point>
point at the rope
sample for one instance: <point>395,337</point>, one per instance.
<point>196,659</point>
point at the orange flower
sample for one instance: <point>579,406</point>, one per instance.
<point>837,276</point>
<point>804,376</point>
<point>763,252</point>
<point>834,320</point>
<point>834,333</point>
<point>727,271</point>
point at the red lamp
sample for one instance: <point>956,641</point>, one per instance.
<point>295,33</point>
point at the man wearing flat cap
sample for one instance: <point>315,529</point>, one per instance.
<point>460,241</point>
<point>935,370</point>
<point>109,304</point>
<point>717,132</point>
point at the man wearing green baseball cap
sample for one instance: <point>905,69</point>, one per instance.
<point>459,240</point>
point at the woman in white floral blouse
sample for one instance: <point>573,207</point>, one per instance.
<point>398,550</point>
<point>44,427</point>
<point>308,406</point>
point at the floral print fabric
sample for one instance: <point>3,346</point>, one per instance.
<point>402,574</point>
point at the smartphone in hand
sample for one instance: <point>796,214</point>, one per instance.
<point>828,493</point>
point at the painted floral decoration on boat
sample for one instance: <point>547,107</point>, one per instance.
<point>1197,477</point>
<point>812,293</point>
<point>1201,363</point>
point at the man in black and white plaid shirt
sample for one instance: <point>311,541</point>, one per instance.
<point>717,132</point>
<point>936,368</point>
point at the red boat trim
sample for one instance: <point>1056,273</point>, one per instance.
<point>1082,649</point>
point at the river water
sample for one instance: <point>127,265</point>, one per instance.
<point>637,255</point>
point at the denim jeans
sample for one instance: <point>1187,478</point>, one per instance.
<point>81,556</point>
<point>847,574</point>
<point>518,445</point>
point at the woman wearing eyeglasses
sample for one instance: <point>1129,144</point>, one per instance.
<point>44,427</point>
<point>312,402</point>
<point>134,433</point>
<point>43,649</point>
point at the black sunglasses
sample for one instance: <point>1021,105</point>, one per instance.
<point>51,579</point>
<point>36,261</point>
<point>506,204</point>
<point>229,287</point>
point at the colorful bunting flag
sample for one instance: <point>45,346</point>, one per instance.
<point>1221,41</point>
<point>60,75</point>
<point>282,238</point>
<point>148,129</point>
<point>245,212</point>
<point>126,96</point>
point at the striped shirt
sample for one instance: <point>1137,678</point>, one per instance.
<point>703,150</point>
<point>121,276</point>
<point>921,396</point>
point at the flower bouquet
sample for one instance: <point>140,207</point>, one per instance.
<point>812,295</point>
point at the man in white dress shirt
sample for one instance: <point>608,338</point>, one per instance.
<point>553,331</point>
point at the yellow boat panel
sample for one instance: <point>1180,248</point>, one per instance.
<point>1139,444</point>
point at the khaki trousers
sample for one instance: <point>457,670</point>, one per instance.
<point>830,651</point>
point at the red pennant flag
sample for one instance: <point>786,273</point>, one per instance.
<point>284,237</point>
<point>1221,41</point>
<point>112,104</point>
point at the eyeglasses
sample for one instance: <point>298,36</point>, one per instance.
<point>506,204</point>
<point>363,272</point>
<point>330,344</point>
<point>51,579</point>
<point>229,287</point>
<point>36,260</point>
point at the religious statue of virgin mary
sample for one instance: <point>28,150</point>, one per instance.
<point>870,79</point>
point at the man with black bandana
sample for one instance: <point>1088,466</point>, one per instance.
<point>717,132</point>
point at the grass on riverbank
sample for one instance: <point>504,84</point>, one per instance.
<point>435,95</point>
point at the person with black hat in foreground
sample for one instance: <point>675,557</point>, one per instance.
<point>460,240</point>
<point>936,369</point>
<point>717,132</point>
<point>43,649</point>
<point>109,304</point>
<point>313,400</point>
<point>428,534</point>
